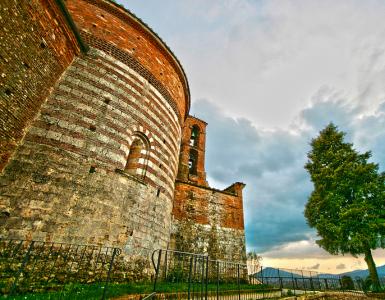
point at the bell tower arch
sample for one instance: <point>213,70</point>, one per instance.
<point>192,153</point>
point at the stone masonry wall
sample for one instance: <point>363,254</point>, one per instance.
<point>67,181</point>
<point>36,46</point>
<point>210,220</point>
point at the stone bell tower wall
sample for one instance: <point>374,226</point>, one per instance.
<point>205,219</point>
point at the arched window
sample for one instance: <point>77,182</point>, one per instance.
<point>138,156</point>
<point>192,162</point>
<point>194,136</point>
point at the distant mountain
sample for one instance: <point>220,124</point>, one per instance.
<point>365,273</point>
<point>273,272</point>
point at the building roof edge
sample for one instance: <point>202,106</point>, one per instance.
<point>166,47</point>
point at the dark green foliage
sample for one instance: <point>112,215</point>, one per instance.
<point>367,284</point>
<point>347,204</point>
<point>347,283</point>
<point>178,274</point>
<point>290,293</point>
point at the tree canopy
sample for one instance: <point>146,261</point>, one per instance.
<point>347,204</point>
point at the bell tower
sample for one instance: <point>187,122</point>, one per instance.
<point>192,152</point>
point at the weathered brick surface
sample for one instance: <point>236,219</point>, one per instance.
<point>211,212</point>
<point>212,217</point>
<point>113,24</point>
<point>70,179</point>
<point>200,147</point>
<point>35,48</point>
<point>88,123</point>
<point>209,204</point>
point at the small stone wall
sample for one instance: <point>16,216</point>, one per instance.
<point>209,220</point>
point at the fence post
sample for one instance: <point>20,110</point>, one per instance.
<point>189,277</point>
<point>202,263</point>
<point>311,283</point>
<point>294,283</point>
<point>319,282</point>
<point>217,280</point>
<point>303,281</point>
<point>21,269</point>
<point>166,264</point>
<point>341,285</point>
<point>207,275</point>
<point>114,253</point>
<point>280,281</point>
<point>157,269</point>
<point>326,284</point>
<point>239,285</point>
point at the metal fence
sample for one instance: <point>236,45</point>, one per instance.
<point>72,271</point>
<point>195,276</point>
<point>33,266</point>
<point>302,281</point>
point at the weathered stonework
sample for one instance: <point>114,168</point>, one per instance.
<point>68,178</point>
<point>71,179</point>
<point>91,141</point>
<point>205,219</point>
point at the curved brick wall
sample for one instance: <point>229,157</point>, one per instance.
<point>105,25</point>
<point>36,46</point>
<point>67,181</point>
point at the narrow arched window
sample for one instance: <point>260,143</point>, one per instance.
<point>193,161</point>
<point>138,156</point>
<point>194,136</point>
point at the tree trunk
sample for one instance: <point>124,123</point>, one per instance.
<point>372,269</point>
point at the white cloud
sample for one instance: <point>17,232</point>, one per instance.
<point>271,162</point>
<point>264,59</point>
<point>275,73</point>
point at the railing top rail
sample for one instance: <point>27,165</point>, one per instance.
<point>229,262</point>
<point>60,243</point>
<point>182,252</point>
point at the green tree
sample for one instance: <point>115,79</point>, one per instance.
<point>347,204</point>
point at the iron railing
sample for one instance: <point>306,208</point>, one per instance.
<point>195,276</point>
<point>303,281</point>
<point>35,266</point>
<point>70,271</point>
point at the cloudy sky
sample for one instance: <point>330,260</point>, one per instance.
<point>267,76</point>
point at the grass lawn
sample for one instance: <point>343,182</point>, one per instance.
<point>93,291</point>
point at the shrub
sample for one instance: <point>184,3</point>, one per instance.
<point>347,283</point>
